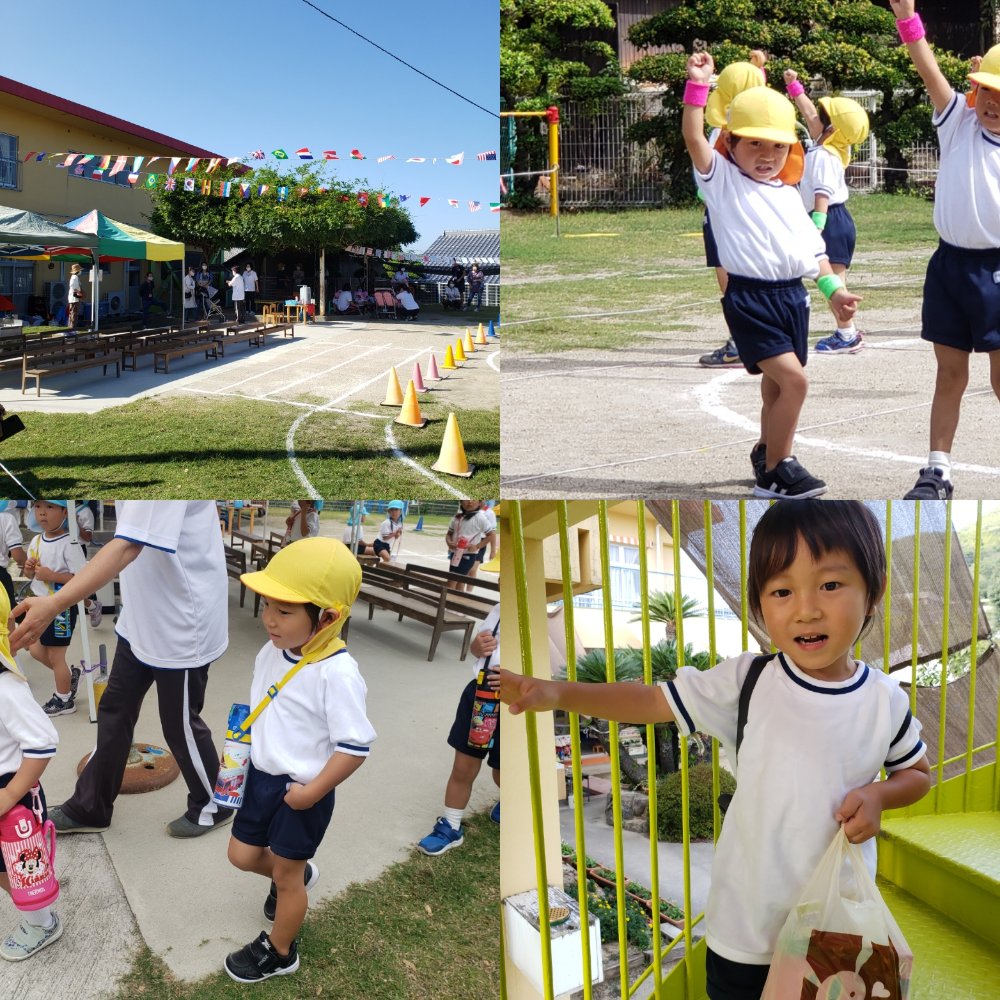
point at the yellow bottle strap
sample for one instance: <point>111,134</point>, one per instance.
<point>272,693</point>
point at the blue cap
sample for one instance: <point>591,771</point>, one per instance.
<point>394,505</point>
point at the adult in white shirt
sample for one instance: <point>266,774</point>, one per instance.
<point>239,294</point>
<point>169,557</point>
<point>75,296</point>
<point>344,302</point>
<point>11,545</point>
<point>250,288</point>
<point>400,279</point>
<point>190,303</point>
<point>408,304</point>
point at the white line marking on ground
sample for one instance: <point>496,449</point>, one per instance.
<point>491,361</point>
<point>622,312</point>
<point>406,460</point>
<point>364,385</point>
<point>290,364</point>
<point>326,371</point>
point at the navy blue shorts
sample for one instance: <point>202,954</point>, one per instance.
<point>711,250</point>
<point>266,820</point>
<point>767,318</point>
<point>5,780</point>
<point>962,299</point>
<point>734,980</point>
<point>379,546</point>
<point>839,235</point>
<point>60,630</point>
<point>458,738</point>
<point>467,562</point>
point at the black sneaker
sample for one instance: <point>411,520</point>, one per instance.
<point>310,876</point>
<point>56,706</point>
<point>789,480</point>
<point>725,357</point>
<point>258,961</point>
<point>758,459</point>
<point>74,680</point>
<point>931,485</point>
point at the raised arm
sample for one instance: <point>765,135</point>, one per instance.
<point>802,101</point>
<point>938,88</point>
<point>699,69</point>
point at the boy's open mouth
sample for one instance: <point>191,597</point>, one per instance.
<point>811,641</point>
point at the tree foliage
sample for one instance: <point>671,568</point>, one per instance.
<point>849,44</point>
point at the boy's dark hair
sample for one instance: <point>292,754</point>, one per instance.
<point>824,117</point>
<point>313,611</point>
<point>825,526</point>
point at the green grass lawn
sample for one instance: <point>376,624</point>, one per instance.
<point>427,928</point>
<point>192,447</point>
<point>649,266</point>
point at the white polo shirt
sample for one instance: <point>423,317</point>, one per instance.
<point>806,744</point>
<point>58,554</point>
<point>319,712</point>
<point>823,174</point>
<point>967,192</point>
<point>10,536</point>
<point>25,730</point>
<point>388,528</point>
<point>492,622</point>
<point>761,229</point>
<point>175,593</point>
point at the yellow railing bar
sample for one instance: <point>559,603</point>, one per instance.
<point>616,777</point>
<point>970,735</point>
<point>887,597</point>
<point>710,578</point>
<point>524,636</point>
<point>945,622</point>
<point>562,513</point>
<point>915,609</point>
<point>651,762</point>
<point>961,756</point>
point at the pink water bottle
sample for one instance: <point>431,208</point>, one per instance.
<point>461,544</point>
<point>29,850</point>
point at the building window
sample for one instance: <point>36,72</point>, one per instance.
<point>16,279</point>
<point>10,167</point>
<point>624,560</point>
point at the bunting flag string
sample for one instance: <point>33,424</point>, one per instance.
<point>415,258</point>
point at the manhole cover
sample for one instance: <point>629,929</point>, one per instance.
<point>149,767</point>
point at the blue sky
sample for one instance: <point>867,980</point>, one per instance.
<point>237,77</point>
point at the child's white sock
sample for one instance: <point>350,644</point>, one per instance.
<point>454,817</point>
<point>847,333</point>
<point>64,697</point>
<point>43,918</point>
<point>940,460</point>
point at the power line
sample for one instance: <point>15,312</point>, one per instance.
<point>364,38</point>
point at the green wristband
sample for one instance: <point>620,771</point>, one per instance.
<point>819,219</point>
<point>828,284</point>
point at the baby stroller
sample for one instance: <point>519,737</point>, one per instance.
<point>209,305</point>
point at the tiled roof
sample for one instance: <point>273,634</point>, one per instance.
<point>467,245</point>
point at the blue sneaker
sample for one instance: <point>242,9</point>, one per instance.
<point>442,838</point>
<point>495,813</point>
<point>835,344</point>
<point>725,357</point>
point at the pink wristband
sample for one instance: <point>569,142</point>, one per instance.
<point>696,94</point>
<point>911,30</point>
<point>795,88</point>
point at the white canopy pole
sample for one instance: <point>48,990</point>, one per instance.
<point>82,620</point>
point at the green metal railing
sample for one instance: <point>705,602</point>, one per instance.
<point>659,952</point>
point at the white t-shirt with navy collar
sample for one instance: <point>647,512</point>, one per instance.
<point>806,744</point>
<point>319,712</point>
<point>25,730</point>
<point>761,229</point>
<point>823,174</point>
<point>58,554</point>
<point>175,593</point>
<point>967,192</point>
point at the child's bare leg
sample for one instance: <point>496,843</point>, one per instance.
<point>787,373</point>
<point>57,662</point>
<point>769,393</point>
<point>250,858</point>
<point>995,372</point>
<point>384,555</point>
<point>463,774</point>
<point>496,776</point>
<point>5,883</point>
<point>952,379</point>
<point>293,901</point>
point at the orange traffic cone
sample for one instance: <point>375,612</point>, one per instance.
<point>410,414</point>
<point>459,352</point>
<point>449,359</point>
<point>433,375</point>
<point>452,459</point>
<point>481,337</point>
<point>393,393</point>
<point>418,379</point>
<point>469,346</point>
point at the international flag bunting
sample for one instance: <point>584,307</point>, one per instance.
<point>188,183</point>
<point>356,154</point>
<point>263,188</point>
<point>137,162</point>
<point>381,200</point>
<point>174,160</point>
<point>193,162</point>
<point>363,199</point>
<point>494,206</point>
<point>382,159</point>
<point>151,162</point>
<point>97,174</point>
<point>226,189</point>
<point>257,154</point>
<point>416,159</point>
<point>70,160</point>
<point>28,156</point>
<point>87,158</point>
<point>133,177</point>
<point>453,202</point>
<point>170,184</point>
<point>456,160</point>
<point>282,193</point>
<point>206,187</point>
<point>150,180</point>
<point>423,201</point>
<point>490,154</point>
<point>105,162</point>
<point>78,170</point>
<point>244,189</point>
<point>503,185</point>
<point>40,157</point>
<point>279,154</point>
<point>119,165</point>
<point>213,164</point>
<point>330,154</point>
<point>303,153</point>
<point>232,160</point>
<point>403,197</point>
<point>474,206</point>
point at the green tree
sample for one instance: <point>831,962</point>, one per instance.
<point>662,608</point>
<point>850,44</point>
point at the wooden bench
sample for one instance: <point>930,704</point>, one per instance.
<point>278,326</point>
<point>469,603</point>
<point>168,351</point>
<point>141,342</point>
<point>57,362</point>
<point>423,600</point>
<point>255,335</point>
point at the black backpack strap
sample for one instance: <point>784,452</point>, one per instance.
<point>746,692</point>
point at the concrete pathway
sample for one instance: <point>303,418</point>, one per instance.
<point>183,898</point>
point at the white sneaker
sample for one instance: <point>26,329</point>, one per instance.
<point>95,613</point>
<point>27,939</point>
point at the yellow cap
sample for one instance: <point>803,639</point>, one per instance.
<point>989,70</point>
<point>7,661</point>
<point>762,113</point>
<point>733,80</point>
<point>850,122</point>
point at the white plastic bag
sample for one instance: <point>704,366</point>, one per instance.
<point>839,947</point>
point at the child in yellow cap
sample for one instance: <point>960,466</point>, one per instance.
<point>767,244</point>
<point>838,124</point>
<point>961,307</point>
<point>27,743</point>
<point>312,736</point>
